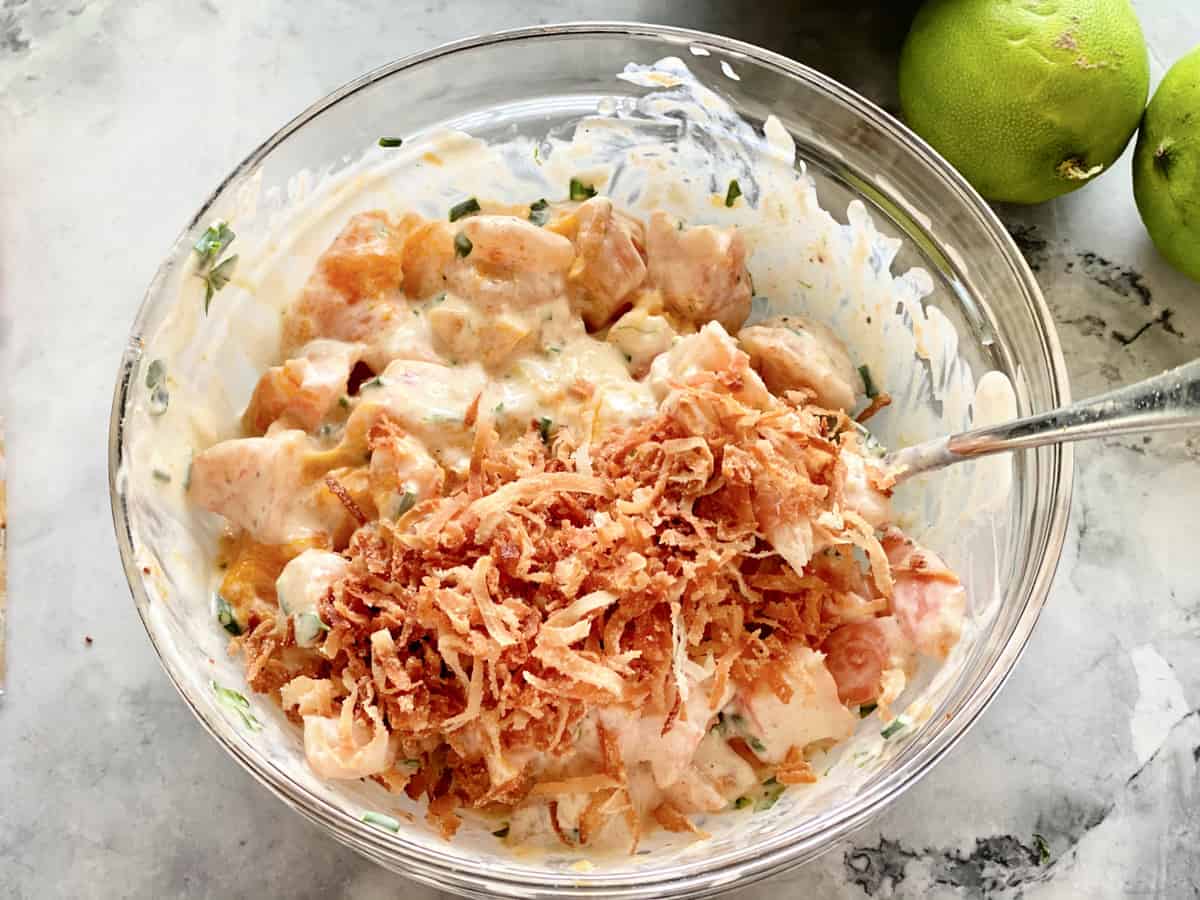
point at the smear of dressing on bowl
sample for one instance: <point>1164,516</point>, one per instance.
<point>677,147</point>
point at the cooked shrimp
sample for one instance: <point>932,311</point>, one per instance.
<point>927,598</point>
<point>302,390</point>
<point>710,351</point>
<point>794,354</point>
<point>860,493</point>
<point>701,271</point>
<point>609,261</point>
<point>402,473</point>
<point>716,777</point>
<point>814,713</point>
<point>252,483</point>
<point>858,654</point>
<point>302,584</point>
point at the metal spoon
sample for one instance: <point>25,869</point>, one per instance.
<point>1169,400</point>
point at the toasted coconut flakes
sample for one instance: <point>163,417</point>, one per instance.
<point>480,630</point>
<point>584,784</point>
<point>795,769</point>
<point>670,818</point>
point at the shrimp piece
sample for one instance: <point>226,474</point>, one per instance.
<point>252,483</point>
<point>302,390</point>
<point>716,777</point>
<point>928,600</point>
<point>355,286</point>
<point>701,271</point>
<point>346,747</point>
<point>641,336</point>
<point>793,354</point>
<point>428,254</point>
<point>609,261</point>
<point>300,587</point>
<point>511,263</point>
<point>860,494</point>
<point>857,656</point>
<point>814,712</point>
<point>710,351</point>
<point>402,472</point>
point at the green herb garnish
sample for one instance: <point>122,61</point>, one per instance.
<point>462,245</point>
<point>501,832</point>
<point>865,710</point>
<point>755,744</point>
<point>407,501</point>
<point>155,373</point>
<point>1042,848</point>
<point>226,617</point>
<point>239,704</point>
<point>581,191</point>
<point>187,474</point>
<point>546,429</point>
<point>896,725</point>
<point>390,141</point>
<point>379,820</point>
<point>468,206</point>
<point>308,627</point>
<point>212,243</point>
<point>868,383</point>
<point>377,381</point>
<point>735,191</point>
<point>344,402</point>
<point>742,802</point>
<point>539,212</point>
<point>498,409</point>
<point>160,475</point>
<point>772,791</point>
<point>218,278</point>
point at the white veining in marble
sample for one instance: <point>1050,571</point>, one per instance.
<point>115,120</point>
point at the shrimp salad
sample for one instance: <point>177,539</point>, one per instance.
<point>529,521</point>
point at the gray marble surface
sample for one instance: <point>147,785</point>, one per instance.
<point>116,118</point>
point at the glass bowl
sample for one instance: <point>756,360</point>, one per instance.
<point>533,82</point>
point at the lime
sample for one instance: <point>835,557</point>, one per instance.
<point>1027,100</point>
<point>1166,166</point>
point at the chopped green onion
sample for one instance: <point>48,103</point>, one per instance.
<point>501,832</point>
<point>379,820</point>
<point>499,408</point>
<point>468,206</point>
<point>377,381</point>
<point>772,791</point>
<point>407,501</point>
<point>868,384</point>
<point>155,373</point>
<point>160,475</point>
<point>735,191</point>
<point>865,710</point>
<point>1042,848</point>
<point>238,703</point>
<point>212,243</point>
<point>581,191</point>
<point>390,141</point>
<point>756,745</point>
<point>742,802</point>
<point>439,298</point>
<point>160,398</point>
<point>462,245</point>
<point>546,429</point>
<point>187,474</point>
<point>218,278</point>
<point>226,617</point>
<point>896,725</point>
<point>344,402</point>
<point>308,628</point>
<point>539,212</point>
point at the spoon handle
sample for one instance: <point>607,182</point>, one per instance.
<point>1169,400</point>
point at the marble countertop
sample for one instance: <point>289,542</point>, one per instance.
<point>116,118</point>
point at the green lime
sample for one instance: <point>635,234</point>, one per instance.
<point>1166,166</point>
<point>1028,100</point>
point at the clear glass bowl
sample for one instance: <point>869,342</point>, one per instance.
<point>533,81</point>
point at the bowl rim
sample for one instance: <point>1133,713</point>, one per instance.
<point>750,864</point>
